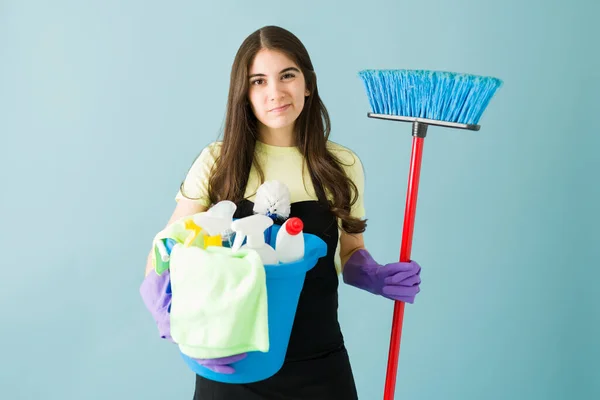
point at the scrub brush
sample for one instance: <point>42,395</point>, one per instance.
<point>273,200</point>
<point>423,98</point>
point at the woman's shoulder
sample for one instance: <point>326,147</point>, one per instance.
<point>214,148</point>
<point>210,152</point>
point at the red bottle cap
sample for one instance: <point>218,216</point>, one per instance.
<point>294,226</point>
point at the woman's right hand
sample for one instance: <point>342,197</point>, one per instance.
<point>221,365</point>
<point>156,294</point>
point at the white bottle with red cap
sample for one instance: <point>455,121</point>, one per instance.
<point>289,243</point>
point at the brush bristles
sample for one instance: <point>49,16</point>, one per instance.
<point>273,198</point>
<point>438,95</point>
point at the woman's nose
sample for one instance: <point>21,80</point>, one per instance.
<point>275,91</point>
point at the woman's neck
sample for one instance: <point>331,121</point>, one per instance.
<point>283,137</point>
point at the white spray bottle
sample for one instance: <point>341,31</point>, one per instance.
<point>253,227</point>
<point>217,222</point>
<point>214,226</point>
<point>289,244</point>
<point>224,208</point>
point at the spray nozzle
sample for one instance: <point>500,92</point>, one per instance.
<point>252,227</point>
<point>211,224</point>
<point>224,209</point>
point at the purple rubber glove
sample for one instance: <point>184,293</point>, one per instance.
<point>395,281</point>
<point>156,294</point>
<point>221,365</point>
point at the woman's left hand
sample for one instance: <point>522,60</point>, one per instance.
<point>397,281</point>
<point>401,280</point>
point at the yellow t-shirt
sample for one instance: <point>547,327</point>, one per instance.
<point>283,164</point>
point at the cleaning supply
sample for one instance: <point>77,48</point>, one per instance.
<point>191,225</point>
<point>213,226</point>
<point>224,209</point>
<point>284,287</point>
<point>423,98</point>
<point>162,250</point>
<point>188,231</point>
<point>156,295</point>
<point>178,231</point>
<point>273,199</point>
<point>169,243</point>
<point>253,227</point>
<point>160,260</point>
<point>219,302</point>
<point>289,242</point>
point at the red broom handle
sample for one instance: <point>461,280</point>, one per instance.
<point>407,235</point>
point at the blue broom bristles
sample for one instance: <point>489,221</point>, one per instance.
<point>438,95</point>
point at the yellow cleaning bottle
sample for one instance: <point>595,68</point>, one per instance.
<point>195,231</point>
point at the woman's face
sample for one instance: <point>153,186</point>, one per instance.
<point>277,90</point>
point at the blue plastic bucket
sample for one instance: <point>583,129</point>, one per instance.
<point>284,284</point>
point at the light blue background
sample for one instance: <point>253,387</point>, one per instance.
<point>105,104</point>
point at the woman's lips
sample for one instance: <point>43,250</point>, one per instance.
<point>280,109</point>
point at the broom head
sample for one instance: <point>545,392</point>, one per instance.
<point>434,97</point>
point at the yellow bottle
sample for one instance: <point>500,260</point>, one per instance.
<point>191,226</point>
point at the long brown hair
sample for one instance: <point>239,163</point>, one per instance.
<point>312,130</point>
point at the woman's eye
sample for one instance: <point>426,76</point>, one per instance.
<point>257,82</point>
<point>288,76</point>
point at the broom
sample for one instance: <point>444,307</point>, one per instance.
<point>422,98</point>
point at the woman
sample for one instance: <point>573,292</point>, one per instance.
<point>277,128</point>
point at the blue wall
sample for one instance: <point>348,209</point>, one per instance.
<point>104,105</point>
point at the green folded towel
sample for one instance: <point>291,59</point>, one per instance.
<point>219,301</point>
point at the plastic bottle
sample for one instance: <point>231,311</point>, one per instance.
<point>289,244</point>
<point>162,250</point>
<point>169,244</point>
<point>224,209</point>
<point>253,227</point>
<point>164,247</point>
<point>190,225</point>
<point>214,227</point>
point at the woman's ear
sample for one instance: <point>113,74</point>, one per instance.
<point>306,93</point>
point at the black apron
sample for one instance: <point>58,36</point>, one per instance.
<point>316,366</point>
